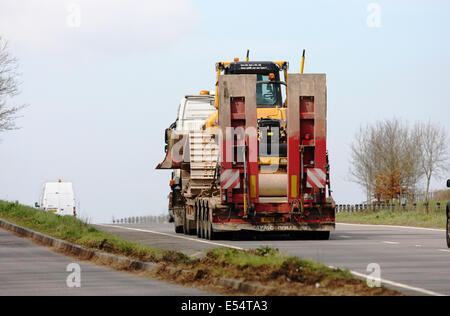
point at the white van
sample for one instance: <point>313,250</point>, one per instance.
<point>58,198</point>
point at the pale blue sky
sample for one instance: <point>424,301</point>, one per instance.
<point>101,94</point>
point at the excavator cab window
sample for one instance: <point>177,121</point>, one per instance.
<point>266,93</point>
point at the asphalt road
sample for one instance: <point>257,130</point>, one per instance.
<point>29,269</point>
<point>412,260</point>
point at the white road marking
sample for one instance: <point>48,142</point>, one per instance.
<point>343,236</point>
<point>400,285</point>
<point>390,242</point>
<point>175,236</point>
<point>444,250</point>
<point>418,245</point>
<point>393,226</point>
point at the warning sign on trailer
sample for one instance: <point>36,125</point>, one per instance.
<point>315,178</point>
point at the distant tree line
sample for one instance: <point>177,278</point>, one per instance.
<point>394,161</point>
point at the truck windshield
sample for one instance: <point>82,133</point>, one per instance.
<point>266,94</point>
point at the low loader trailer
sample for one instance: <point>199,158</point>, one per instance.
<point>259,163</point>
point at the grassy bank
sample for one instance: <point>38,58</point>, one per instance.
<point>75,231</point>
<point>288,275</point>
<point>418,218</point>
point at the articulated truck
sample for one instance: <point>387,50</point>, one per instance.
<point>259,162</point>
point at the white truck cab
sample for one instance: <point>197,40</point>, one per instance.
<point>192,114</point>
<point>58,197</point>
<point>193,111</point>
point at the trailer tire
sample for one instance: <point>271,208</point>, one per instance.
<point>197,220</point>
<point>207,223</point>
<point>179,229</point>
<point>185,225</point>
<point>207,230</point>
<point>211,233</point>
<point>203,223</point>
<point>200,221</point>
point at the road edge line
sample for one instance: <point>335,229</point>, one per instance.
<point>399,285</point>
<point>170,235</point>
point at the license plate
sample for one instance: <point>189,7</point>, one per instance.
<point>272,219</point>
<point>53,211</point>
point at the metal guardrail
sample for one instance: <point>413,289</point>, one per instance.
<point>141,219</point>
<point>393,207</point>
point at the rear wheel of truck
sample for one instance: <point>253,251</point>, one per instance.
<point>197,221</point>
<point>185,224</point>
<point>179,229</point>
<point>207,231</point>
<point>211,235</point>
<point>200,223</point>
<point>206,226</point>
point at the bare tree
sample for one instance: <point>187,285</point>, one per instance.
<point>384,160</point>
<point>362,170</point>
<point>433,152</point>
<point>8,88</point>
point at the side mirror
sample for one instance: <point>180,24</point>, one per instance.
<point>166,135</point>
<point>36,204</point>
<point>448,183</point>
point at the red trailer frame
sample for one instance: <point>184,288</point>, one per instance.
<point>239,206</point>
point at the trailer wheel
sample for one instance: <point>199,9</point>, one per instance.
<point>207,223</point>
<point>179,229</point>
<point>207,230</point>
<point>203,222</point>
<point>185,225</point>
<point>200,222</point>
<point>197,220</point>
<point>211,234</point>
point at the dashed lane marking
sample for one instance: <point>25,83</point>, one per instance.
<point>390,242</point>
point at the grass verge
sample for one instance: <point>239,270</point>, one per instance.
<point>285,275</point>
<point>417,218</point>
<point>77,232</point>
<point>279,273</point>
